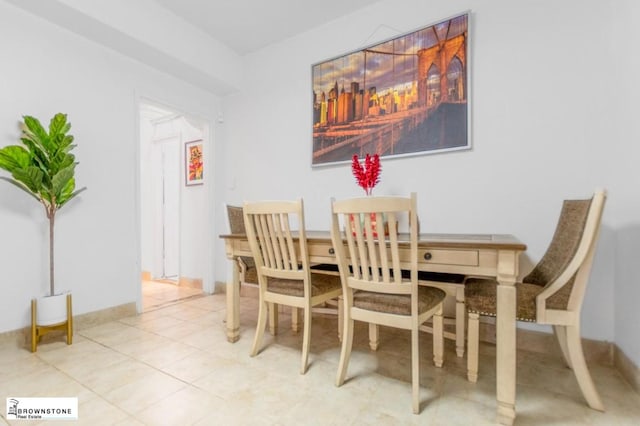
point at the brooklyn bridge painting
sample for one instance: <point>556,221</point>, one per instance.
<point>404,96</point>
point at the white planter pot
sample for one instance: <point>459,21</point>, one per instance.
<point>51,310</point>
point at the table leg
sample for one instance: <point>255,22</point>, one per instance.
<point>233,305</point>
<point>506,337</point>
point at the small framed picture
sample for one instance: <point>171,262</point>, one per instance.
<point>193,163</point>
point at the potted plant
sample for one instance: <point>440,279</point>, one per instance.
<point>44,167</point>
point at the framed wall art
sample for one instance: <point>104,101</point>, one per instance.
<point>194,163</point>
<point>401,97</point>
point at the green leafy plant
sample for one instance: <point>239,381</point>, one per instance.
<point>44,167</point>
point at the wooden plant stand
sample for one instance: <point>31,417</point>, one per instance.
<point>37,331</point>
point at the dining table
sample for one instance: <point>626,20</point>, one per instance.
<point>486,255</point>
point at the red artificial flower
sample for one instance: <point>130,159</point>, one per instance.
<point>368,174</point>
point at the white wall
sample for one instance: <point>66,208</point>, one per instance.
<point>543,129</point>
<point>625,161</point>
<point>47,69</point>
<point>553,93</point>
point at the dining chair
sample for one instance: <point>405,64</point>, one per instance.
<point>249,276</point>
<point>553,292</point>
<point>282,262</point>
<point>374,289</point>
<point>246,265</point>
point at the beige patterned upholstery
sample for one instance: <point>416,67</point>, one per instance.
<point>480,294</point>
<point>320,283</point>
<point>282,263</point>
<point>552,293</point>
<point>428,297</point>
<point>374,288</point>
<point>248,272</point>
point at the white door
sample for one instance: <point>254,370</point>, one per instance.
<point>166,155</point>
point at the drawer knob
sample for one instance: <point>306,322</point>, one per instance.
<point>427,256</point>
<point>332,251</point>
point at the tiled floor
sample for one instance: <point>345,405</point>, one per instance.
<point>157,294</point>
<point>173,366</point>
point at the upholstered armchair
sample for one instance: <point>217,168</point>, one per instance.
<point>553,292</point>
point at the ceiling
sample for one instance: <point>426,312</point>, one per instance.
<point>249,25</point>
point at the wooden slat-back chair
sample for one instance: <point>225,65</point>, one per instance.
<point>374,290</point>
<point>282,262</point>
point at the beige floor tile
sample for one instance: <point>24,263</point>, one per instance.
<point>184,407</point>
<point>173,366</point>
<point>196,366</point>
<point>139,394</point>
<point>106,379</point>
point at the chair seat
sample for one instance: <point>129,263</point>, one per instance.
<point>320,284</point>
<point>428,297</point>
<point>480,295</point>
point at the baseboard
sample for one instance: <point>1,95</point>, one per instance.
<point>182,281</point>
<point>220,287</point>
<point>91,319</point>
<point>627,368</point>
<point>190,282</point>
<point>595,351</point>
<point>21,337</point>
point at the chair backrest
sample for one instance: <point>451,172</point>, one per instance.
<point>236,219</point>
<point>565,267</point>
<point>278,249</point>
<point>371,260</point>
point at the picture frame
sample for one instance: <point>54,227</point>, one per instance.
<point>193,163</point>
<point>404,96</point>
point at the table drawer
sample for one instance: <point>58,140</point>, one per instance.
<point>321,250</point>
<point>449,257</point>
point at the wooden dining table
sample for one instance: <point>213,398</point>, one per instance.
<point>488,255</point>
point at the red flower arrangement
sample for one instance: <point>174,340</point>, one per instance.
<point>368,174</point>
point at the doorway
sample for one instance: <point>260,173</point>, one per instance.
<point>168,254</point>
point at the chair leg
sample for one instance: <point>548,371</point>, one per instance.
<point>262,324</point>
<point>473,340</point>
<point>34,330</point>
<point>69,321</point>
<point>460,321</point>
<point>306,338</point>
<point>576,357</point>
<point>415,368</point>
<point>273,318</point>
<point>340,316</point>
<point>561,334</point>
<point>374,336</point>
<point>295,319</point>
<point>345,352</point>
<point>438,337</point>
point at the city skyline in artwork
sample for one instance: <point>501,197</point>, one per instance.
<point>404,96</point>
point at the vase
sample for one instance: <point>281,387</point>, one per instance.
<point>52,310</point>
<point>374,227</point>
